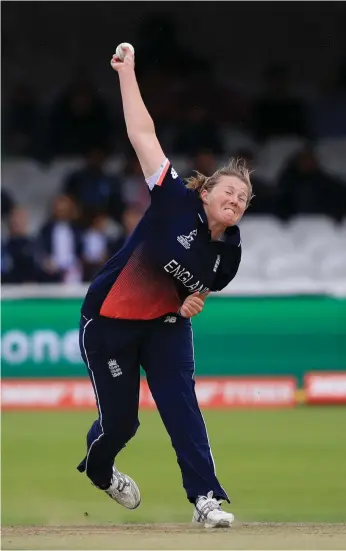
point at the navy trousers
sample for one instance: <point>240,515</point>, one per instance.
<point>113,351</point>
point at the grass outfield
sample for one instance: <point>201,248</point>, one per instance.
<point>282,465</point>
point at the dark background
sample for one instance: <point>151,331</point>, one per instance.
<point>262,80</point>
<point>45,42</point>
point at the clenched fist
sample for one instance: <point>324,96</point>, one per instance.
<point>127,64</point>
<point>192,305</point>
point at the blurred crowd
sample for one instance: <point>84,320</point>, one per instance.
<point>189,117</point>
<point>89,221</point>
<point>95,211</point>
<point>188,97</point>
<point>191,105</point>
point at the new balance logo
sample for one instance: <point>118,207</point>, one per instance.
<point>174,174</point>
<point>186,240</point>
<point>170,319</point>
<point>114,368</point>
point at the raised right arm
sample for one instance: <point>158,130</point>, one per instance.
<point>139,124</point>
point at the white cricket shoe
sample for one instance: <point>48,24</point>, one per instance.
<point>208,512</point>
<point>124,490</point>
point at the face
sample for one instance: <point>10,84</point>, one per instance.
<point>63,208</point>
<point>18,222</point>
<point>205,163</point>
<point>100,222</point>
<point>130,219</point>
<point>226,202</point>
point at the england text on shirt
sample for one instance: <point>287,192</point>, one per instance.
<point>169,255</point>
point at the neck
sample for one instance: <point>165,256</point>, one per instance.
<point>216,229</point>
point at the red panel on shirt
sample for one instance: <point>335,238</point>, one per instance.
<point>141,292</point>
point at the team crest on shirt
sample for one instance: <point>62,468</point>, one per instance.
<point>186,240</point>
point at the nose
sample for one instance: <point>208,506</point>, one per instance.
<point>234,201</point>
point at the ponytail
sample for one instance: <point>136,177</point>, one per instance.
<point>196,182</point>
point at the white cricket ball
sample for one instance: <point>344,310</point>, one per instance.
<point>120,53</point>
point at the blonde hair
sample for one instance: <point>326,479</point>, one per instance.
<point>236,167</point>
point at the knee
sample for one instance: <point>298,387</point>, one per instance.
<point>121,431</point>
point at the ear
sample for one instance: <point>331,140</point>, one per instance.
<point>204,196</point>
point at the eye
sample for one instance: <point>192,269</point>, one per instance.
<point>242,199</point>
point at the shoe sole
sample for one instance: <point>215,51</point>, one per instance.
<point>220,524</point>
<point>135,507</point>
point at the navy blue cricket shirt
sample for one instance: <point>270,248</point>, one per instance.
<point>168,256</point>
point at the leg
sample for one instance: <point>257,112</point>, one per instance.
<point>168,359</point>
<point>96,430</point>
<point>109,351</point>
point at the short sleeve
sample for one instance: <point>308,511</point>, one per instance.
<point>165,184</point>
<point>228,268</point>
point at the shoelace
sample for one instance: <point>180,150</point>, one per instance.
<point>209,504</point>
<point>122,482</point>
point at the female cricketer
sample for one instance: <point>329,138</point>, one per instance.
<point>137,312</point>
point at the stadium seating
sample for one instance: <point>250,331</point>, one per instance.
<point>332,156</point>
<point>305,247</point>
<point>274,154</point>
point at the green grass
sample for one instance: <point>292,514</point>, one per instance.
<point>282,465</point>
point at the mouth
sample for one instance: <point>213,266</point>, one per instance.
<point>228,209</point>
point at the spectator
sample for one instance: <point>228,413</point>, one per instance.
<point>328,112</point>
<point>304,188</point>
<point>21,123</point>
<point>79,120</point>
<point>97,246</point>
<point>165,113</point>
<point>277,112</point>
<point>93,189</point>
<point>225,104</point>
<point>265,196</point>
<point>18,252</point>
<point>203,162</point>
<point>60,242</point>
<point>197,132</point>
<point>131,217</point>
<point>7,203</point>
<point>134,189</point>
